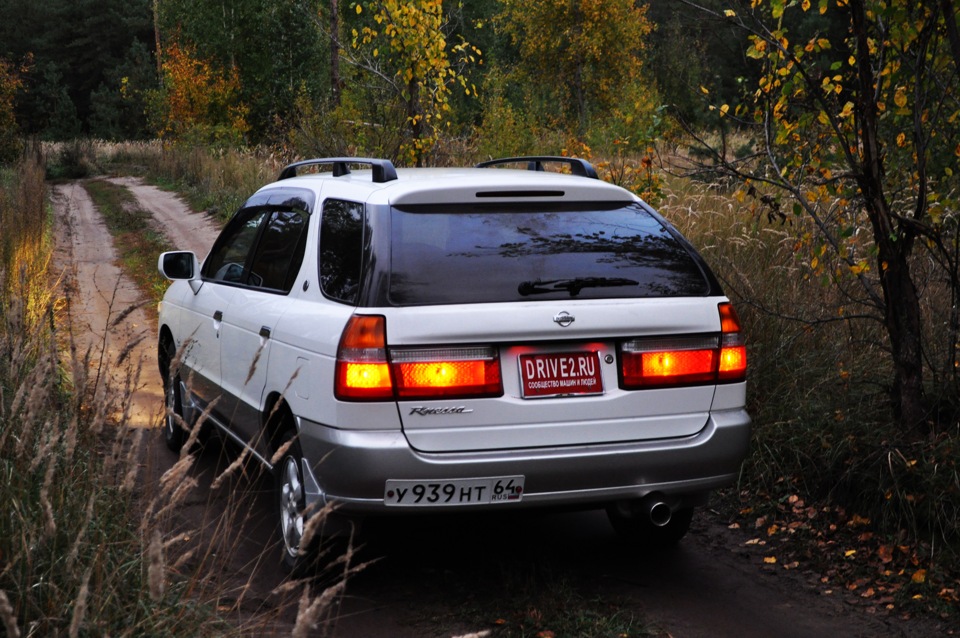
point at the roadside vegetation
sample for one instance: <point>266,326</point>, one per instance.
<point>814,167</point>
<point>89,544</point>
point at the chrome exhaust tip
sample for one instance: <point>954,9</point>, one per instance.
<point>658,512</point>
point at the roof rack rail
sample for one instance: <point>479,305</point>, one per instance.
<point>383,170</point>
<point>578,166</point>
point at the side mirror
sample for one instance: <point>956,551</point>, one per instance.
<point>179,265</point>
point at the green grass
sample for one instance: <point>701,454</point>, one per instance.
<point>134,235</point>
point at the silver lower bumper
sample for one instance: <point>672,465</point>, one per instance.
<point>350,467</point>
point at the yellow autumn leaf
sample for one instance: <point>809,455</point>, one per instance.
<point>849,553</point>
<point>704,90</point>
<point>847,110</point>
<point>901,140</point>
<point>770,560</point>
<point>724,109</point>
<point>359,9</point>
<point>919,576</point>
<point>730,13</point>
<point>900,97</point>
<point>805,5</point>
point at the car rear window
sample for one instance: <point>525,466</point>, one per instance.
<point>491,253</point>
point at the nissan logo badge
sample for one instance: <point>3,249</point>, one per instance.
<point>564,319</point>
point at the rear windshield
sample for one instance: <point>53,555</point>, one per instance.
<point>482,254</point>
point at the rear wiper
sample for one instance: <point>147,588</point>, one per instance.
<point>573,286</point>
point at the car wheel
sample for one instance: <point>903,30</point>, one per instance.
<point>639,529</point>
<point>174,434</point>
<point>291,502</point>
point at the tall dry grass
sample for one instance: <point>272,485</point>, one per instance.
<point>91,540</point>
<point>216,181</point>
<point>818,384</point>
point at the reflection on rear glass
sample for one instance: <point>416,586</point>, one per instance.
<point>482,256</point>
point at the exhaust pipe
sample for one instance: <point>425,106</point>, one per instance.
<point>657,511</point>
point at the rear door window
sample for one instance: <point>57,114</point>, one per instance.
<point>341,249</point>
<point>484,254</point>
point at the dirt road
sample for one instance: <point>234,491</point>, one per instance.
<point>713,585</point>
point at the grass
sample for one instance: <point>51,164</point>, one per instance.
<point>87,541</point>
<point>823,432</point>
<point>217,182</point>
<point>818,382</point>
<point>134,236</point>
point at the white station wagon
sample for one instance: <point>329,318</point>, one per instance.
<point>468,338</point>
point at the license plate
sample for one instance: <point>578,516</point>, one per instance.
<point>478,491</point>
<point>560,374</point>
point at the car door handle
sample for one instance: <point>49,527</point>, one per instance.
<point>265,332</point>
<point>218,315</point>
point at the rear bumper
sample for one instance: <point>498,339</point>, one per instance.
<point>350,467</point>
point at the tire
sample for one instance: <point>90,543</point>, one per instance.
<point>638,530</point>
<point>174,434</point>
<point>291,502</point>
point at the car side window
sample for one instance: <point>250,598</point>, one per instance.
<point>280,250</point>
<point>341,249</point>
<point>228,258</point>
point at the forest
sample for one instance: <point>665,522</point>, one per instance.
<point>809,147</point>
<point>386,77</point>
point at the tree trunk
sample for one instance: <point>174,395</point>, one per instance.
<point>894,244</point>
<point>903,324</point>
<point>335,53</point>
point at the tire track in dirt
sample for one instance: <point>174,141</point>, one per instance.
<point>186,229</point>
<point>105,307</point>
<point>231,527</point>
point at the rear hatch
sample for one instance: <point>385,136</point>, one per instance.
<point>543,325</point>
<point>561,386</point>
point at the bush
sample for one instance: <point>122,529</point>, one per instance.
<point>818,390</point>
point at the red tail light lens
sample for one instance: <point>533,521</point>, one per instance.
<point>368,371</point>
<point>362,371</point>
<point>445,372</point>
<point>677,361</point>
<point>733,351</point>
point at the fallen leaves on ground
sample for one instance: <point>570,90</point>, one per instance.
<point>881,573</point>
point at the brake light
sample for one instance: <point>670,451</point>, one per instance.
<point>444,372</point>
<point>362,371</point>
<point>669,361</point>
<point>368,371</point>
<point>676,361</point>
<point>733,350</point>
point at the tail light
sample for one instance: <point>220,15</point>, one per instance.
<point>368,370</point>
<point>733,350</point>
<point>362,370</point>
<point>675,361</point>
<point>444,372</point>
